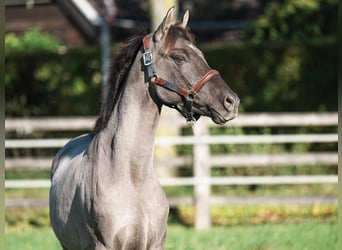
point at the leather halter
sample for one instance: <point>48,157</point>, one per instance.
<point>188,95</point>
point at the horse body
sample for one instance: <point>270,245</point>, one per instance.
<point>96,181</point>
<point>104,191</point>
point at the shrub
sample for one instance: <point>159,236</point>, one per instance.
<point>33,40</point>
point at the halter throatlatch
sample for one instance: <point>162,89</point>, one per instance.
<point>188,95</point>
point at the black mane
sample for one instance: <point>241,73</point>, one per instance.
<point>122,62</point>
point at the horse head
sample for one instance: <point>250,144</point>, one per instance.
<point>181,77</point>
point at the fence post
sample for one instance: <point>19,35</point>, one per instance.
<point>202,175</point>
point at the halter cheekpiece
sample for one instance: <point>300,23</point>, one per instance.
<point>188,95</point>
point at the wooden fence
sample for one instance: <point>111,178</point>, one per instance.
<point>201,160</point>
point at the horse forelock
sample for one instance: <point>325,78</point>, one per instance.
<point>121,65</point>
<point>175,32</point>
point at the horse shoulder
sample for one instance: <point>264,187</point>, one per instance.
<point>72,149</point>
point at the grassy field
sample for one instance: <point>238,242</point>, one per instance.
<point>308,235</point>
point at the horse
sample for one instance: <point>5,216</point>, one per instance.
<point>104,192</point>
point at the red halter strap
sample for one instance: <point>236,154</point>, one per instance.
<point>189,95</point>
<point>204,80</point>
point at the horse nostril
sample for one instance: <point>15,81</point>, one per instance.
<point>230,102</point>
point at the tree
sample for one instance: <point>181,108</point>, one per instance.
<point>296,21</point>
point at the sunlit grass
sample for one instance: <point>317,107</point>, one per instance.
<point>308,235</point>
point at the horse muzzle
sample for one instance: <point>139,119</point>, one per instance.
<point>229,110</point>
<point>231,103</point>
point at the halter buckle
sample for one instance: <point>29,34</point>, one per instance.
<point>147,58</point>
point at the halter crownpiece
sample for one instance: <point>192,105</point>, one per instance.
<point>189,95</point>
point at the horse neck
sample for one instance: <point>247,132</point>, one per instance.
<point>127,142</point>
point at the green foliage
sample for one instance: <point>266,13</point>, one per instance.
<point>283,77</point>
<point>33,40</point>
<point>41,81</point>
<point>52,84</point>
<point>27,174</point>
<point>296,21</point>
<point>279,77</point>
<point>23,218</point>
<point>276,77</point>
<point>257,214</point>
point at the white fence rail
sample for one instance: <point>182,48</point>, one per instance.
<point>202,160</point>
<point>277,160</point>
<point>194,181</point>
<point>191,140</point>
<point>243,120</point>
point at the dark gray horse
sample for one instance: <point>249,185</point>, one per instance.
<point>104,192</point>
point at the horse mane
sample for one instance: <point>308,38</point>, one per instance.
<point>121,64</point>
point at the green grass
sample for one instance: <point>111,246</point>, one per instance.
<point>308,235</point>
<point>31,238</point>
<point>41,193</point>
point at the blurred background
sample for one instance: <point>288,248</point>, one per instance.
<point>270,174</point>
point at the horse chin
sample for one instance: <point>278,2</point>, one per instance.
<point>213,114</point>
<point>220,119</point>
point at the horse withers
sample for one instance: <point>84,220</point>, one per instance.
<point>104,192</point>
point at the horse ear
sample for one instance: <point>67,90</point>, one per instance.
<point>185,20</point>
<point>165,24</point>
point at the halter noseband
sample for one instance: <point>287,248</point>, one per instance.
<point>189,95</point>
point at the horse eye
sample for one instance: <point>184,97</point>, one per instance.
<point>179,59</point>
